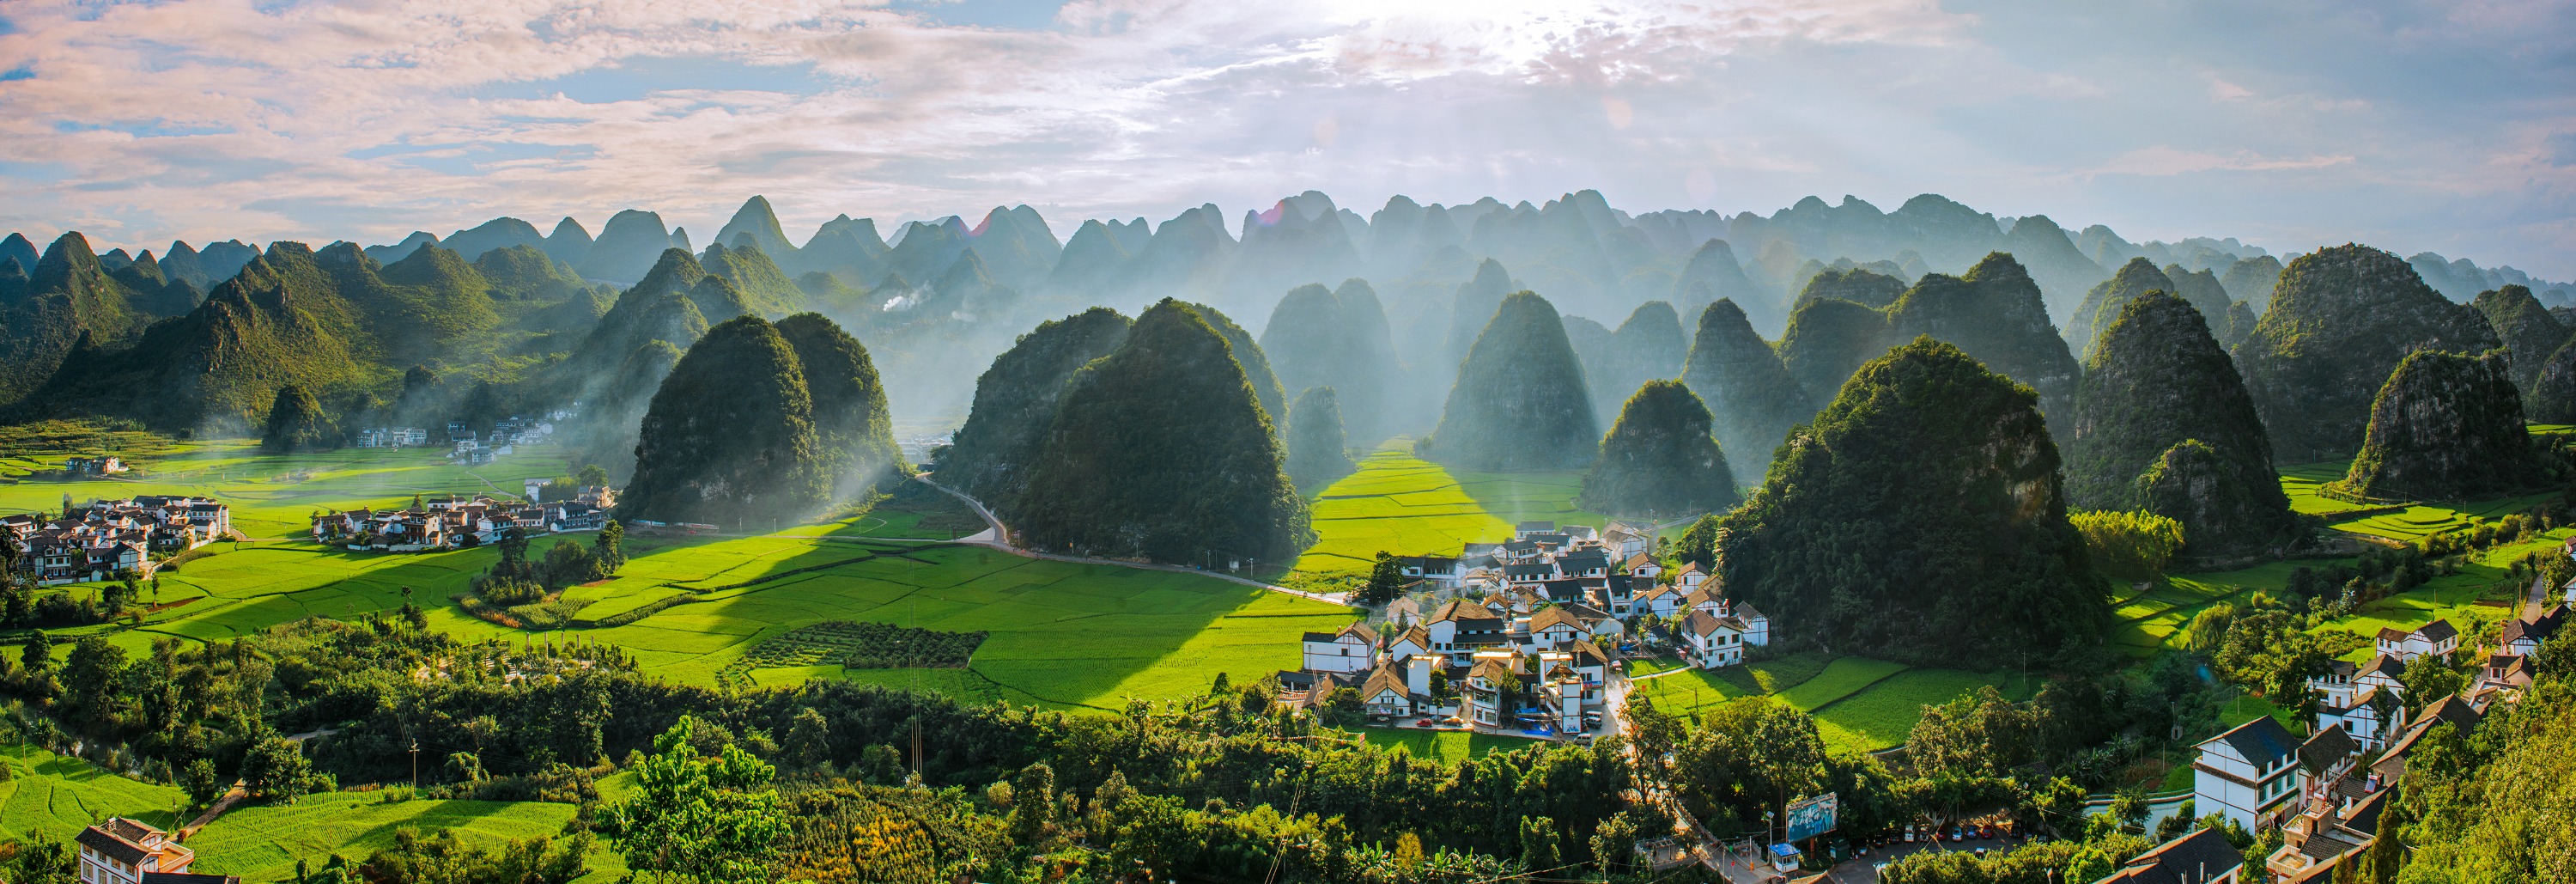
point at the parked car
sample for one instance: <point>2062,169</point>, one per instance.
<point>1987,832</point>
<point>1422,723</point>
<point>1909,834</point>
<point>1955,836</point>
<point>1981,851</point>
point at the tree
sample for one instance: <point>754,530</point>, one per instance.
<point>2427,679</point>
<point>276,769</point>
<point>809,738</point>
<point>610,545</point>
<point>1539,853</point>
<point>38,655</point>
<point>1032,804</point>
<point>699,820</point>
<point>89,675</point>
<point>1386,580</point>
<point>201,782</point>
<point>2130,546</point>
<point>591,476</point>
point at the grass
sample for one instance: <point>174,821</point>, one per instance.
<point>58,795</point>
<point>262,843</point>
<point>1448,747</point>
<point>1062,634</point>
<point>1860,704</point>
<point>1405,505</point>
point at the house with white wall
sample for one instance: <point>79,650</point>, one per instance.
<point>1353,649</point>
<point>2438,638</point>
<point>2250,773</point>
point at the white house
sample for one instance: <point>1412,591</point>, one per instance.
<point>1553,626</point>
<point>2334,687</point>
<point>2437,638</point>
<point>1460,628</point>
<point>1351,650</point>
<point>1664,600</point>
<point>2356,716</point>
<point>1713,641</point>
<point>123,851</point>
<point>2250,774</point>
<point>1689,576</point>
<point>1442,570</point>
<point>1490,687</point>
<point>1407,644</point>
<point>2521,636</point>
<point>2381,673</point>
<point>1385,693</point>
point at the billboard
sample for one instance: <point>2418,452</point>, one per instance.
<point>1810,817</point>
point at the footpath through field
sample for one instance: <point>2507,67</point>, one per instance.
<point>997,536</point>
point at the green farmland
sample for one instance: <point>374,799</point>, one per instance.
<point>1405,505</point>
<point>1859,703</point>
<point>1061,634</point>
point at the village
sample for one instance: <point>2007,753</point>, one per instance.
<point>454,522</point>
<point>111,539</point>
<point>1525,636</point>
<point>1530,637</point>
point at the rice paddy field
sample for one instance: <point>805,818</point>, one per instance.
<point>1447,747</point>
<point>1859,703</point>
<point>57,795</point>
<point>1405,505</point>
<point>1062,634</point>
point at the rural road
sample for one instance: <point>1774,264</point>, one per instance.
<point>995,536</point>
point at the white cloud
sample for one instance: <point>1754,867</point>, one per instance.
<point>2309,123</point>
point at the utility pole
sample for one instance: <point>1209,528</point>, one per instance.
<point>415,764</point>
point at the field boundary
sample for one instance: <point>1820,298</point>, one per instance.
<point>1863,689</point>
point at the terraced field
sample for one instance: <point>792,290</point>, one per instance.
<point>58,796</point>
<point>1405,505</point>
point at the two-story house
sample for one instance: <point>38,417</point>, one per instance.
<point>123,851</point>
<point>1460,628</point>
<point>1492,684</point>
<point>1712,641</point>
<point>2250,773</point>
<point>2522,635</point>
<point>2202,857</point>
<point>1442,571</point>
<point>1353,649</point>
<point>1552,626</point>
<point>2438,638</point>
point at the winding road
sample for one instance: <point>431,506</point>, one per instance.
<point>997,536</point>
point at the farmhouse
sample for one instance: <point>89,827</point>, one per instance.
<point>102,465</point>
<point>2505,675</point>
<point>1354,649</point>
<point>2437,638</point>
<point>2248,774</point>
<point>2202,857</point>
<point>110,538</point>
<point>393,437</point>
<point>452,523</point>
<point>123,851</point>
<point>2359,715</point>
<point>2522,636</point>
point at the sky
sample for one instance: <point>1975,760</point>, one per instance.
<point>2443,126</point>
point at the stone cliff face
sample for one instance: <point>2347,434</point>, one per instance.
<point>2162,422</point>
<point>2341,319</point>
<point>2552,397</point>
<point>2446,426</point>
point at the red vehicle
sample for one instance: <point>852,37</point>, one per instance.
<point>1422,723</point>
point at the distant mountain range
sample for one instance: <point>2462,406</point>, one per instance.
<point>935,300</point>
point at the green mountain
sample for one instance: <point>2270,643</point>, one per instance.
<point>2252,279</point>
<point>63,297</point>
<point>1659,460</point>
<point>1828,339</point>
<point>428,306</point>
<point>1853,284</point>
<point>1315,440</point>
<point>1712,275</point>
<point>1474,306</point>
<point>2341,320</point>
<point>1648,346</point>
<point>1015,400</point>
<point>2552,398</point>
<point>765,289</point>
<point>1338,339</point>
<point>1929,459</point>
<point>1752,397</point>
<point>279,321</point>
<point>2529,333</point>
<point>656,309</point>
<point>2446,426</point>
<point>2205,293</point>
<point>1255,364</point>
<point>2162,422</point>
<point>2104,303</point>
<point>2239,326</point>
<point>1519,404</point>
<point>1158,450</point>
<point>526,273</point>
<point>296,423</point>
<point>850,418</point>
<point>730,436</point>
<point>1995,314</point>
